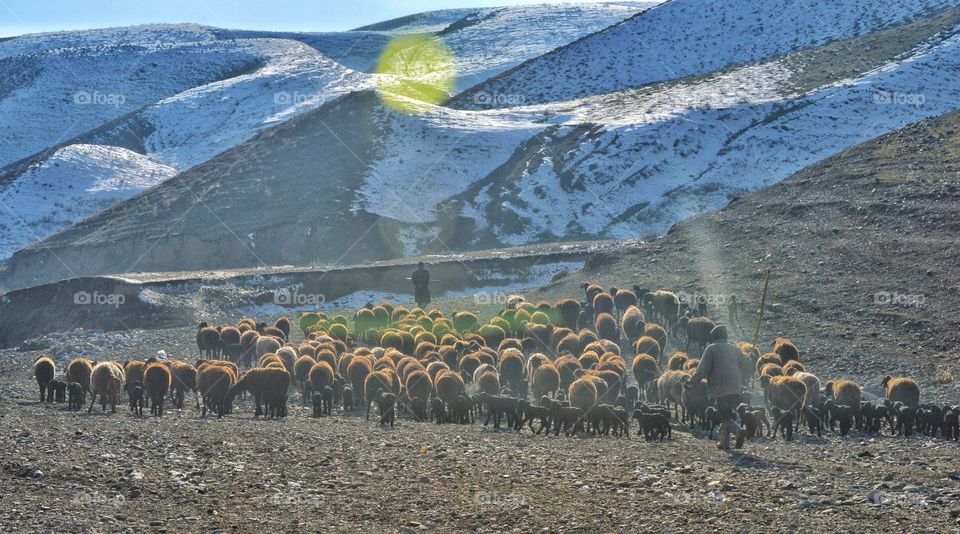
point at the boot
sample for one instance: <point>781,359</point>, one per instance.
<point>740,432</point>
<point>724,444</point>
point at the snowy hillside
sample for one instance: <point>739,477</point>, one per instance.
<point>681,38</point>
<point>76,182</point>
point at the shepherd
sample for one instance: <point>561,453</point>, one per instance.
<point>421,285</point>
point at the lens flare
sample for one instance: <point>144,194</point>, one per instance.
<point>415,70</point>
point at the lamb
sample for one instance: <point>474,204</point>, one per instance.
<point>135,393</point>
<point>653,425</point>
<point>44,369</point>
<point>813,418</point>
<point>59,387</point>
<point>77,396</point>
<point>317,404</point>
<point>530,412</point>
<point>782,421</point>
<point>461,409</point>
<point>438,411</point>
<point>905,419</point>
<point>567,417</point>
<point>711,419</point>
<point>157,380</point>
<point>497,407</point>
<point>905,390</point>
<point>843,414</point>
<point>208,341</point>
<point>951,422</point>
<point>387,402</point>
<point>346,396</point>
<point>106,380</point>
<point>754,421</point>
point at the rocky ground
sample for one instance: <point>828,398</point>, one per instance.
<point>64,471</point>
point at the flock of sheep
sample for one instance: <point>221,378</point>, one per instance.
<point>548,366</point>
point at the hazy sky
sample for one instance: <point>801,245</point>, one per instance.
<point>30,16</point>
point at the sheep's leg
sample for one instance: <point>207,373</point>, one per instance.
<point>92,402</point>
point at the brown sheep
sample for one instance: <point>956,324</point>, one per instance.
<point>283,324</point>
<point>845,392</point>
<point>748,367</point>
<point>769,357</point>
<point>546,381</point>
<point>658,333</point>
<point>698,331</point>
<point>568,367</point>
<point>449,385</point>
<point>374,383</point>
<point>785,348</point>
<point>677,361</point>
<point>214,383</point>
<point>357,372</point>
<point>813,387</point>
<point>184,380</point>
<point>267,345</point>
<point>645,371</point>
<point>670,389</point>
<point>487,381</point>
<point>632,324</point>
<point>793,367</point>
<point>788,394</point>
<point>648,345</point>
<point>301,371</point>
<point>901,389</point>
<point>665,305</point>
<point>230,343</point>
<point>623,299</point>
<point>582,393</point>
<point>419,387</point>
<point>691,364</point>
<point>268,386</point>
<point>79,370</point>
<point>44,370</point>
<point>133,373</point>
<point>156,381</point>
<point>248,347</point>
<point>512,369</point>
<point>208,341</point>
<point>319,376</point>
<point>569,312</point>
<point>106,380</point>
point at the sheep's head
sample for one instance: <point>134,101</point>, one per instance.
<point>886,379</point>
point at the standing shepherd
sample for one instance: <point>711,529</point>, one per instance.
<point>421,285</point>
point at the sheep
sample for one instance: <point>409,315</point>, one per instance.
<point>419,386</point>
<point>645,371</point>
<point>951,423</point>
<point>785,348</point>
<point>374,383</point>
<point>694,400</point>
<point>766,359</point>
<point>77,396</point>
<point>498,406</point>
<point>387,402</point>
<point>843,414</point>
<point>248,347</point>
<point>44,369</point>
<point>449,385</point>
<point>438,411</point>
<point>814,420</point>
<point>813,389</point>
<point>602,303</point>
<point>711,419</point>
<point>106,380</point>
<point>846,392</point>
<point>266,345</point>
<point>567,417</point>
<point>79,370</point>
<point>133,373</point>
<point>783,421</point>
<point>670,388</point>
<point>486,380</point>
<point>208,341</point>
<point>301,371</point>
<point>320,376</point>
<point>268,386</point>
<point>788,394</point>
<point>184,379</point>
<point>632,324</point>
<point>677,361</point>
<point>283,324</point>
<point>906,416</point>
<point>546,381</point>
<point>664,304</point>
<point>317,399</point>
<point>512,368</point>
<point>135,394</point>
<point>653,425</point>
<point>230,343</point>
<point>157,379</point>
<point>357,372</point>
<point>529,412</point>
<point>647,345</point>
<point>59,388</point>
<point>698,331</point>
<point>749,355</point>
<point>792,367</point>
<point>623,299</point>
<point>753,421</point>
<point>606,327</point>
<point>929,419</point>
<point>905,390</point>
<point>569,310</point>
<point>582,393</point>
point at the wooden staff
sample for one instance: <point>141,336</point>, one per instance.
<point>763,304</point>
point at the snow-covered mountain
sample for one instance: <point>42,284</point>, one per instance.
<point>620,151</point>
<point>180,94</point>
